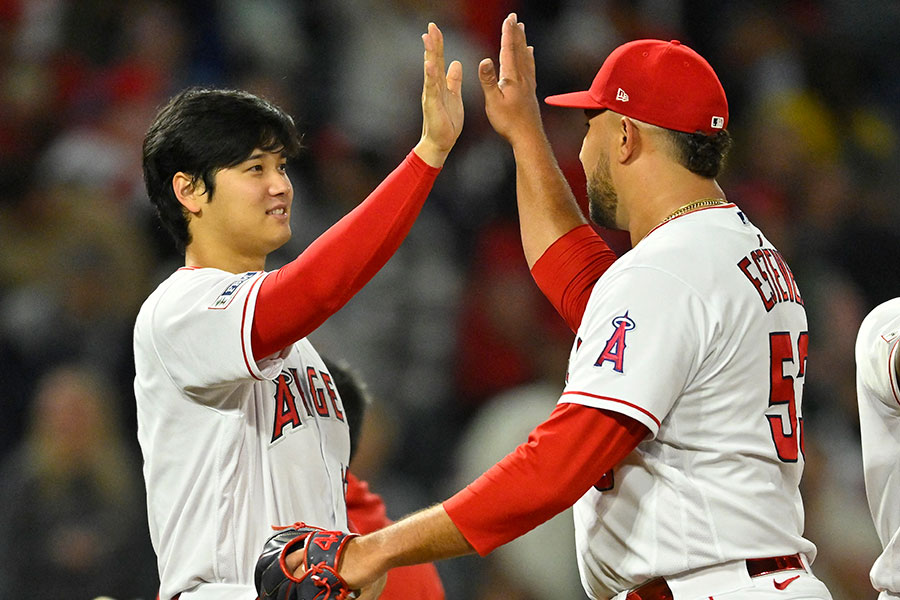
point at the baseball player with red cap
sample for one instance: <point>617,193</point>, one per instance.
<point>878,395</point>
<point>678,435</point>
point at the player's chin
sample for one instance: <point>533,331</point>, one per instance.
<point>280,237</point>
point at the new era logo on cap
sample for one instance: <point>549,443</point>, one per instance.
<point>621,96</point>
<point>718,122</point>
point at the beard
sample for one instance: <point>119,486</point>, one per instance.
<point>603,201</point>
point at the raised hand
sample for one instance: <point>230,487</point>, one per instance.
<point>510,101</point>
<point>442,107</point>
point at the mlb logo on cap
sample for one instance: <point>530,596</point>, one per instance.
<point>669,85</point>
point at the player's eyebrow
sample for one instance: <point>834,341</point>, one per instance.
<point>259,154</point>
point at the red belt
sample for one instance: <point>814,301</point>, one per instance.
<point>658,589</point>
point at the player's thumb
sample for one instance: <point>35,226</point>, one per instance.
<point>487,75</point>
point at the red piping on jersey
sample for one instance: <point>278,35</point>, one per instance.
<point>892,373</point>
<point>696,210</point>
<point>244,323</point>
<point>634,406</point>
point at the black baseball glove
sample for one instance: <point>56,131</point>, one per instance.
<point>321,552</point>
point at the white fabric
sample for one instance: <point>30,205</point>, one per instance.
<point>878,395</point>
<point>231,447</point>
<point>696,305</point>
<point>730,581</point>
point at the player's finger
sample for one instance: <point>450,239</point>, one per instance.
<point>508,66</point>
<point>525,54</point>
<point>454,77</point>
<point>437,38</point>
<point>431,87</point>
<point>487,75</point>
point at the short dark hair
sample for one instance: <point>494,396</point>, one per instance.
<point>355,397</point>
<point>201,131</point>
<point>700,153</point>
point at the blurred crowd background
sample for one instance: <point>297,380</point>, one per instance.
<point>461,352</point>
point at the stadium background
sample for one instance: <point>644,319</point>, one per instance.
<point>461,352</point>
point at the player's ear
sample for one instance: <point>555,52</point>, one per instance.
<point>190,192</point>
<point>628,140</point>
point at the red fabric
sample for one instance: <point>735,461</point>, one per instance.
<point>687,95</point>
<point>366,513</point>
<point>567,271</point>
<point>564,456</point>
<point>294,300</point>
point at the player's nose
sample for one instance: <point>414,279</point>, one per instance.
<point>280,184</point>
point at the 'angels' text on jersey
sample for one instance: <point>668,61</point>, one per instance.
<point>324,400</point>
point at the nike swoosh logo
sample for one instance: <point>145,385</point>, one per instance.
<point>780,585</point>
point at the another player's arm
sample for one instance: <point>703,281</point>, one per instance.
<point>574,448</point>
<point>564,253</point>
<point>296,299</point>
<point>547,207</point>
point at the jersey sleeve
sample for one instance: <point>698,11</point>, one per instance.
<point>639,344</point>
<point>876,355</point>
<point>199,329</point>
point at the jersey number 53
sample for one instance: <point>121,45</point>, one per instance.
<point>785,425</point>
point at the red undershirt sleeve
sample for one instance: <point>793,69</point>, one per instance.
<point>294,300</point>
<point>567,271</point>
<point>574,448</point>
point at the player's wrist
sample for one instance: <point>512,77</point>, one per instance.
<point>359,565</point>
<point>432,153</point>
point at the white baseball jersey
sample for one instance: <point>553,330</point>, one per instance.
<point>878,394</point>
<point>699,332</point>
<point>231,447</point>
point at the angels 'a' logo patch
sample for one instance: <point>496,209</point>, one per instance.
<point>614,351</point>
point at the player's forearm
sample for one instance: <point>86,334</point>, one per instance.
<point>425,536</point>
<point>547,207</point>
<point>297,298</point>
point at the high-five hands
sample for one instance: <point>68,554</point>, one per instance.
<point>442,106</point>
<point>510,101</point>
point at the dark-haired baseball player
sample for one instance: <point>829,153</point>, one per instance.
<point>239,421</point>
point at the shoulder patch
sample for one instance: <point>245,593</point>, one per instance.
<point>614,351</point>
<point>227,296</point>
<point>890,336</point>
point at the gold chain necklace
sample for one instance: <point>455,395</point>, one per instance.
<point>693,206</point>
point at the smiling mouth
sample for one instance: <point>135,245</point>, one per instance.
<point>277,211</point>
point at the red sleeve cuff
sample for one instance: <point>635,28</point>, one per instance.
<point>574,448</point>
<point>417,163</point>
<point>567,271</point>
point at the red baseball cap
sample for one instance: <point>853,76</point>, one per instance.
<point>661,83</point>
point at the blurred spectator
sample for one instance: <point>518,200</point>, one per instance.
<point>73,523</point>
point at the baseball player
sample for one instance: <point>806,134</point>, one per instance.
<point>679,433</point>
<point>239,421</point>
<point>878,394</point>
